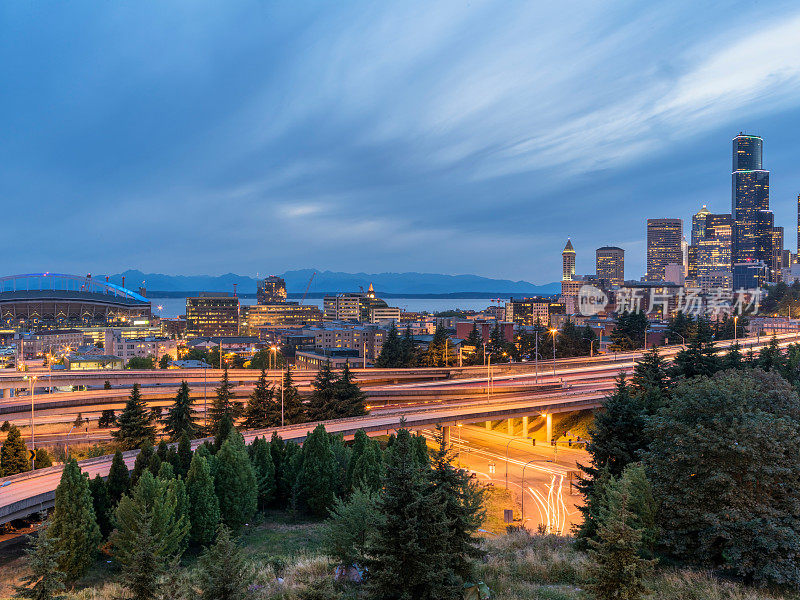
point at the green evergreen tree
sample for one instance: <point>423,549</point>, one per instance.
<point>406,559</point>
<point>224,404</point>
<point>771,357</point>
<point>43,459</point>
<point>257,410</point>
<point>699,357</point>
<point>142,462</point>
<point>277,450</point>
<point>322,402</point>
<point>149,534</point>
<point>202,500</point>
<point>475,340</point>
<point>722,459</point>
<point>618,571</point>
<point>184,455</point>
<point>293,409</point>
<point>348,530</point>
<point>409,353</point>
<point>733,359</point>
<point>224,573</point>
<point>74,525</point>
<point>45,580</point>
<point>264,470</point>
<point>360,442</point>
<point>135,423</point>
<point>101,502</point>
<point>181,416</point>
<point>367,469</point>
<point>225,429</point>
<point>439,350</point>
<point>14,454</point>
<point>235,483</point>
<point>650,381</point>
<point>349,399</point>
<point>391,356</point>
<point>461,498</point>
<point>317,479</point>
<point>618,438</point>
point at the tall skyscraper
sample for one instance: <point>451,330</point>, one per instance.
<point>777,253</point>
<point>752,220</point>
<point>568,262</point>
<point>610,264</point>
<point>664,237</point>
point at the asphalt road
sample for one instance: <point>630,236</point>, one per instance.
<point>549,500</point>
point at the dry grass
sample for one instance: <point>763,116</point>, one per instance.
<point>518,566</point>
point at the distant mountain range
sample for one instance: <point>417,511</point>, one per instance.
<point>388,284</point>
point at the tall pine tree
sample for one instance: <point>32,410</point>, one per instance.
<point>45,581</point>
<point>119,478</point>
<point>203,503</point>
<point>181,416</point>
<point>14,454</point>
<point>407,558</point>
<point>135,423</point>
<point>349,400</point>
<point>224,573</point>
<point>224,404</point>
<point>74,525</point>
<point>293,409</point>
<point>322,402</point>
<point>256,412</point>
<point>391,355</point>
<point>235,483</point>
<point>317,479</point>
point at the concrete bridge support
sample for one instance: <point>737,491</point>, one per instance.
<point>510,426</point>
<point>7,393</point>
<point>446,434</point>
<point>524,427</point>
<point>548,427</point>
<point>489,425</point>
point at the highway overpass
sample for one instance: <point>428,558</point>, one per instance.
<point>27,493</point>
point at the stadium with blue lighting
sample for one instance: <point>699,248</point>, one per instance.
<point>54,299</point>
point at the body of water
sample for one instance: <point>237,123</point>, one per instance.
<point>172,307</point>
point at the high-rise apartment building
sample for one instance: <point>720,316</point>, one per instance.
<point>752,234</point>
<point>270,290</point>
<point>212,314</point>
<point>568,262</point>
<point>777,253</point>
<point>610,265</point>
<point>664,237</point>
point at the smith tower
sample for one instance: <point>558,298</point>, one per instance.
<point>752,220</point>
<point>568,262</point>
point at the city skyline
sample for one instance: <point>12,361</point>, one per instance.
<point>326,156</point>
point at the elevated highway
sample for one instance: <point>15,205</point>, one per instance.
<point>584,386</point>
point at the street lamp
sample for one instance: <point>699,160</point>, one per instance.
<point>591,345</point>
<point>488,358</point>
<point>32,380</point>
<point>735,329</point>
<point>683,339</point>
<point>553,332</point>
<point>273,357</point>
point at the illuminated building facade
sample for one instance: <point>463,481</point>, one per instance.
<point>752,239</point>
<point>568,262</point>
<point>212,314</point>
<point>271,290</point>
<point>255,317</point>
<point>610,265</point>
<point>530,311</point>
<point>664,237</point>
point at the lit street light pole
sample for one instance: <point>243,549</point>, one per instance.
<point>32,380</point>
<point>553,332</point>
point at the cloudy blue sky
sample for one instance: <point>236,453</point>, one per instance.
<point>451,137</point>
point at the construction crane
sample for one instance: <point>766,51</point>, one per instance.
<point>308,287</point>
